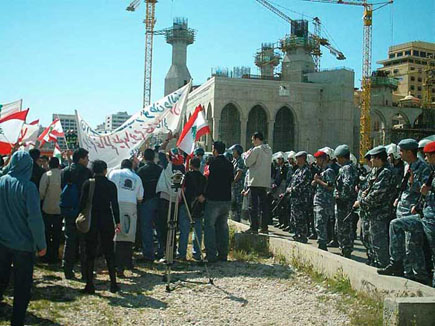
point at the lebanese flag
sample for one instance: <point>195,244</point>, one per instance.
<point>10,130</point>
<point>194,129</point>
<point>29,134</point>
<point>57,152</point>
<point>51,133</point>
<point>9,108</point>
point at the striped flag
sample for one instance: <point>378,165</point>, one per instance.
<point>9,108</point>
<point>195,128</point>
<point>57,152</point>
<point>51,133</point>
<point>10,130</point>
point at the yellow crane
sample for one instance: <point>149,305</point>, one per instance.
<point>149,21</point>
<point>365,136</point>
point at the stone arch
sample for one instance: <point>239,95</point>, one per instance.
<point>229,125</point>
<point>257,121</point>
<point>378,128</point>
<point>400,120</point>
<point>284,130</point>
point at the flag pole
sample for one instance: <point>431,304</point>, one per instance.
<point>64,136</point>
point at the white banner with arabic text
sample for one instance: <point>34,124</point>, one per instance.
<point>159,118</point>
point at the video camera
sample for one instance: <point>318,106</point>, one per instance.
<point>177,179</point>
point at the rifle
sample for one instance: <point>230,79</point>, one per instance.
<point>420,200</point>
<point>278,204</point>
<point>402,188</point>
<point>365,193</point>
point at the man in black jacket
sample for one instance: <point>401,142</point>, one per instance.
<point>105,210</point>
<point>217,206</point>
<point>37,171</point>
<point>77,173</point>
<point>149,174</point>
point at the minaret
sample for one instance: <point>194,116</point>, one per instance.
<point>266,59</point>
<point>179,36</point>
<point>297,48</point>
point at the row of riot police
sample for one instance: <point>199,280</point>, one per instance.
<point>390,195</point>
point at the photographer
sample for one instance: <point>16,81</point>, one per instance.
<point>194,185</point>
<point>170,161</point>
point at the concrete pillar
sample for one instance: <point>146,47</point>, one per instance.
<point>409,311</point>
<point>270,128</point>
<point>243,126</point>
<point>216,128</point>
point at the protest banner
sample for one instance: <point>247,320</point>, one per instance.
<point>158,118</point>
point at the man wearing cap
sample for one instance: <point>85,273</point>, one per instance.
<point>428,193</point>
<point>239,170</point>
<point>411,262</point>
<point>323,198</point>
<point>285,222</point>
<point>299,197</point>
<point>345,196</point>
<point>374,201</point>
<point>398,169</point>
<point>365,178</point>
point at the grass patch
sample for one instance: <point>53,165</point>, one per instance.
<point>362,309</point>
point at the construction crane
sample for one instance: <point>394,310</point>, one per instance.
<point>316,36</point>
<point>149,21</point>
<point>365,127</point>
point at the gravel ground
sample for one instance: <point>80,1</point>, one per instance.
<point>244,293</point>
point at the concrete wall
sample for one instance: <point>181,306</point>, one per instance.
<point>323,110</point>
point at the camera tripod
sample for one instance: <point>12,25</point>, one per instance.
<point>171,237</point>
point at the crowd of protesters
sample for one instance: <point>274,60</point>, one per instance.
<point>320,196</point>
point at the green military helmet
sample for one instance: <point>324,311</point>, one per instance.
<point>342,150</point>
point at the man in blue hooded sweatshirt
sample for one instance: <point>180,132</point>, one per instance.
<point>21,231</point>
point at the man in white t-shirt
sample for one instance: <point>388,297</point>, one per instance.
<point>130,192</point>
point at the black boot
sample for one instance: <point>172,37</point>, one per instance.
<point>333,244</point>
<point>88,270</point>
<point>395,268</point>
<point>112,273</point>
<point>322,246</point>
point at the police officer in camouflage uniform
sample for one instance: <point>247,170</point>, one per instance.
<point>323,198</point>
<point>374,201</point>
<point>363,184</point>
<point>345,196</point>
<point>288,224</point>
<point>237,186</point>
<point>410,262</point>
<point>428,193</point>
<point>398,168</point>
<point>299,196</point>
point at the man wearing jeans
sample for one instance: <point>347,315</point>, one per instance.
<point>150,174</point>
<point>21,232</point>
<point>258,161</point>
<point>217,206</point>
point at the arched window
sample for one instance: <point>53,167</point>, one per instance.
<point>283,131</point>
<point>257,121</point>
<point>229,126</point>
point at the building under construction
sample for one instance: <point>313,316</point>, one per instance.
<point>294,106</point>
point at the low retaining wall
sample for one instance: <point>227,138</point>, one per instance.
<point>363,278</point>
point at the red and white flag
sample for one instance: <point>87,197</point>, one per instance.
<point>29,134</point>
<point>51,133</point>
<point>9,108</point>
<point>10,130</point>
<point>195,128</point>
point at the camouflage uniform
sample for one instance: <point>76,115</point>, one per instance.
<point>324,205</point>
<point>413,257</point>
<point>364,181</point>
<point>299,197</point>
<point>288,179</point>
<point>429,222</point>
<point>398,172</point>
<point>375,202</point>
<point>236,189</point>
<point>345,197</point>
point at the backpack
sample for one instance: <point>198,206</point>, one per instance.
<point>69,200</point>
